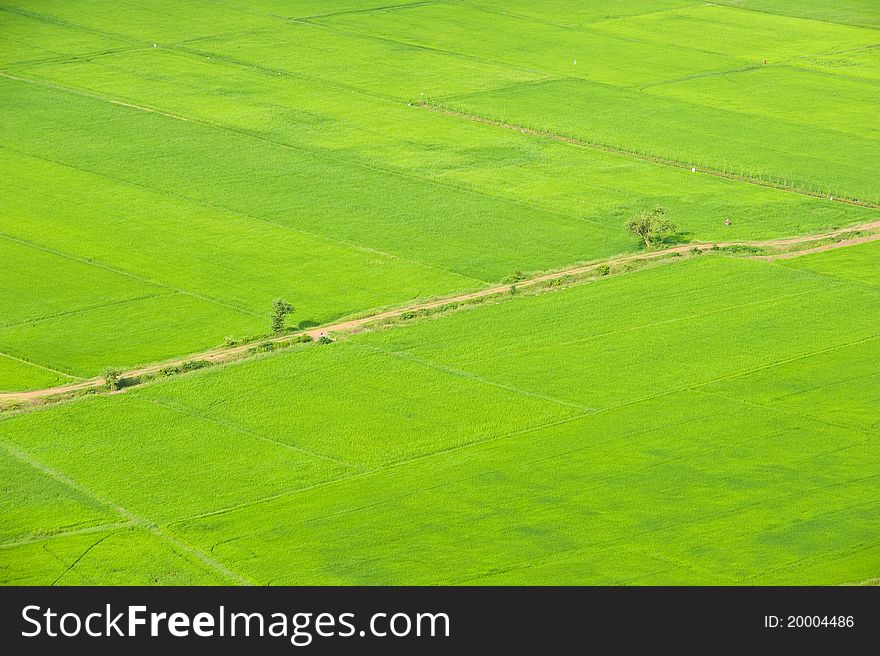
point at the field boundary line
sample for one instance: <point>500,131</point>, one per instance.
<point>141,522</point>
<point>382,468</point>
<point>86,310</point>
<point>662,322</point>
<point>353,325</point>
<point>36,539</point>
<point>804,18</point>
<point>238,214</point>
<point>468,375</point>
<point>189,411</point>
<point>633,154</point>
<point>867,432</point>
<point>39,366</point>
<point>320,154</point>
<point>122,272</point>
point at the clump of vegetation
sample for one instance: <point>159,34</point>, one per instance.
<point>696,250</point>
<point>652,226</point>
<point>741,249</point>
<point>514,277</point>
<point>325,340</point>
<point>512,290</point>
<point>112,378</point>
<point>558,282</point>
<point>189,365</point>
<point>409,314</point>
<point>280,310</point>
<point>229,341</point>
<point>263,347</point>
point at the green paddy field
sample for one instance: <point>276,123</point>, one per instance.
<point>168,169</point>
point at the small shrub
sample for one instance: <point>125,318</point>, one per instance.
<point>696,250</point>
<point>514,277</point>
<point>409,314</point>
<point>603,269</point>
<point>112,378</point>
<point>324,340</point>
<point>182,368</point>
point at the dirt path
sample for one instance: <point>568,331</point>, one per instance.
<point>228,353</point>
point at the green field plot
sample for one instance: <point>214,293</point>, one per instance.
<point>383,67</point>
<point>701,422</point>
<point>27,38</point>
<point>734,142</point>
<point>533,45</point>
<point>864,63</point>
<point>851,12</point>
<point>746,35</point>
<point>566,13</point>
<point>859,263</point>
<point>19,375</point>
<point>126,334</point>
<point>787,94</point>
<point>212,464</point>
<point>170,169</point>
<point>121,557</point>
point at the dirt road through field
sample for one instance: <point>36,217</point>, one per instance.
<point>228,353</point>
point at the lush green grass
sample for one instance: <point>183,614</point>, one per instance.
<point>746,35</point>
<point>18,375</point>
<point>288,162</point>
<point>169,169</point>
<point>122,557</point>
<point>814,158</point>
<point>702,422</point>
<point>859,263</point>
<point>852,12</point>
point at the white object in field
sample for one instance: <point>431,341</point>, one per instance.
<point>693,169</point>
<point>831,198</point>
<point>575,62</point>
<point>155,46</point>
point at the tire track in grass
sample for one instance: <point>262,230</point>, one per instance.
<point>176,543</point>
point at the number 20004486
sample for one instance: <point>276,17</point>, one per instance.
<point>809,621</point>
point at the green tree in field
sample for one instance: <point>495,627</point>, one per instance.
<point>112,378</point>
<point>280,310</point>
<point>651,225</point>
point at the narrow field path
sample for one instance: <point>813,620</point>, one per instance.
<point>228,353</point>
